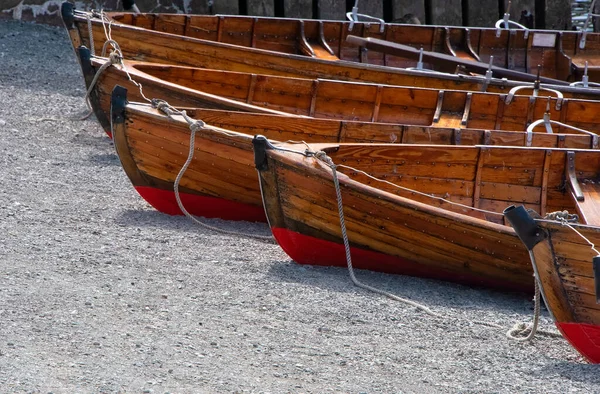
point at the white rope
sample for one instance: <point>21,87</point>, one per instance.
<point>116,48</point>
<point>518,331</point>
<point>327,160</point>
<point>321,155</point>
<point>565,223</point>
<point>112,59</point>
<point>115,57</point>
<point>91,34</point>
<point>195,126</point>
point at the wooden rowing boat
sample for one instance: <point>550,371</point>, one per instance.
<point>567,266</point>
<point>169,89</point>
<point>272,46</point>
<point>427,210</point>
<point>153,148</point>
<point>195,87</point>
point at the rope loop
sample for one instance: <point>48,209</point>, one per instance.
<point>114,44</point>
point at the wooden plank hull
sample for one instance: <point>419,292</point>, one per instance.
<point>172,92</point>
<point>235,50</point>
<point>221,181</point>
<point>166,143</point>
<point>456,110</point>
<point>564,269</point>
<point>431,221</point>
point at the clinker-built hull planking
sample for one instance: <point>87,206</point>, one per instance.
<point>414,227</point>
<point>195,87</point>
<point>269,52</point>
<point>166,142</point>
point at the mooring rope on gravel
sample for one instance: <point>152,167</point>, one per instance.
<point>513,333</point>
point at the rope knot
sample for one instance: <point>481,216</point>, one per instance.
<point>159,104</point>
<point>321,155</point>
<point>562,216</point>
<point>197,125</point>
<point>115,58</point>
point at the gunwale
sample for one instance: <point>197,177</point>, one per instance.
<point>326,99</point>
<point>295,187</point>
<point>144,44</point>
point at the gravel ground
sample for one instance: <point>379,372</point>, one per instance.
<point>100,293</point>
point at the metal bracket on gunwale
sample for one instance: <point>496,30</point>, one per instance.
<point>573,176</point>
<point>586,24</point>
<point>585,79</point>
<point>354,16</point>
<point>507,23</point>
<point>548,125</point>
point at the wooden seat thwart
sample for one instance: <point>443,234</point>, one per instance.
<point>588,202</point>
<point>585,193</point>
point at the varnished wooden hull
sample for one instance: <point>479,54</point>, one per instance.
<point>414,228</point>
<point>267,55</point>
<point>166,144</point>
<point>221,181</point>
<point>193,87</point>
<point>563,265</point>
<point>152,87</point>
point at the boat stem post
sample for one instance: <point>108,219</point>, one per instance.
<point>261,145</point>
<point>528,231</point>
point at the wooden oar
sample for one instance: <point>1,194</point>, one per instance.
<point>406,51</point>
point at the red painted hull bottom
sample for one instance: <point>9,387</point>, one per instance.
<point>315,251</point>
<point>583,337</point>
<point>209,207</point>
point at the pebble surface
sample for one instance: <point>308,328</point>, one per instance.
<point>100,293</point>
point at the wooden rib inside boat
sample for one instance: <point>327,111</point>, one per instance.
<point>195,87</point>
<point>414,209</point>
<point>567,267</point>
<point>140,43</point>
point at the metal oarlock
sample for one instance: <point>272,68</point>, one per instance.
<point>586,24</point>
<point>507,23</point>
<point>585,80</point>
<point>547,122</point>
<point>354,17</point>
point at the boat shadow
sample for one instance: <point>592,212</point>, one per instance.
<point>423,290</point>
<point>576,370</point>
<point>154,219</point>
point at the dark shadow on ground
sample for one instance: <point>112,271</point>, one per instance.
<point>153,218</point>
<point>417,289</point>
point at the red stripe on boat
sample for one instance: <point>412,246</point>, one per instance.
<point>208,207</point>
<point>304,249</point>
<point>583,337</point>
